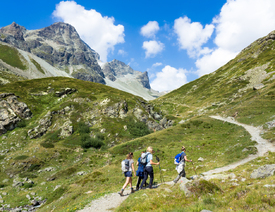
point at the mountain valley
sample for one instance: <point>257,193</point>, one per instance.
<point>63,137</point>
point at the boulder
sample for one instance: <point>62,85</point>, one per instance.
<point>11,112</point>
<point>258,86</point>
<point>184,187</point>
<point>66,129</point>
<point>263,171</point>
<point>42,128</point>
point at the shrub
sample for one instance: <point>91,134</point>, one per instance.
<point>83,128</point>
<point>88,142</point>
<point>28,185</point>
<point>28,175</point>
<point>53,137</point>
<point>22,124</point>
<point>21,157</point>
<point>197,122</point>
<point>138,128</point>
<point>47,145</point>
<point>204,187</point>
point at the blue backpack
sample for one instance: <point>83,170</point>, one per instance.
<point>177,158</point>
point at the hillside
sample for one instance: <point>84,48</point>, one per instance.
<point>243,88</point>
<point>66,138</point>
<point>57,50</point>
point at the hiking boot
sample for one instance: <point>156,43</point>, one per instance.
<point>121,193</point>
<point>132,191</point>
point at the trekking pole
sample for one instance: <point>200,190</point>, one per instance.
<point>161,178</point>
<point>194,168</point>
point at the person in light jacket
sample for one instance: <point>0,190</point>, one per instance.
<point>149,169</point>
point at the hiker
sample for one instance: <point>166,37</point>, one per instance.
<point>140,172</point>
<point>128,174</point>
<point>148,168</point>
<point>181,164</point>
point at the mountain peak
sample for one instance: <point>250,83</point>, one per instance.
<point>14,30</point>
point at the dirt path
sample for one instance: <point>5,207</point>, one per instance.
<point>106,203</point>
<point>111,201</point>
<point>263,145</point>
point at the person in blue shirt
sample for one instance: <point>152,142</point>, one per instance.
<point>140,172</point>
<point>183,159</point>
<point>148,168</point>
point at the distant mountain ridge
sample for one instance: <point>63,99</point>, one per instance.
<point>62,48</point>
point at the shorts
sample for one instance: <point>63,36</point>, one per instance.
<point>128,174</point>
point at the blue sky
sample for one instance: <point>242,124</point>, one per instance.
<point>176,41</point>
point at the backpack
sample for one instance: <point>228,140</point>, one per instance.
<point>177,159</point>
<point>143,158</point>
<point>125,165</point>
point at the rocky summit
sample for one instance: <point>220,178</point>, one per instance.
<point>59,45</point>
<point>58,50</point>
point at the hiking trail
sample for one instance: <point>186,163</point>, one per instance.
<point>113,200</point>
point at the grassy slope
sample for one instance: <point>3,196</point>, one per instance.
<point>203,137</point>
<point>217,93</point>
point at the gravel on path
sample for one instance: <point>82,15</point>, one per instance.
<point>263,145</point>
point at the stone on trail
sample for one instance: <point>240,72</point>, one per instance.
<point>200,159</point>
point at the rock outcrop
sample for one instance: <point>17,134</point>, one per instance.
<point>263,171</point>
<point>116,69</point>
<point>11,112</point>
<point>42,128</point>
<point>59,45</point>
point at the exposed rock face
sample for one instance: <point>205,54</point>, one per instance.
<point>42,127</point>
<point>59,45</point>
<point>117,69</point>
<point>11,112</point>
<point>66,129</point>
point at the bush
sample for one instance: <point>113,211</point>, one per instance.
<point>83,128</point>
<point>28,175</point>
<point>22,124</point>
<point>88,142</point>
<point>47,145</point>
<point>53,137</point>
<point>21,157</point>
<point>138,128</point>
<point>28,185</point>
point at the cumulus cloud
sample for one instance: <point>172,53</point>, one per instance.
<point>150,29</point>
<point>157,64</point>
<point>122,52</point>
<point>100,33</point>
<point>169,78</point>
<point>192,35</point>
<point>236,29</point>
<point>210,62</point>
<point>152,48</point>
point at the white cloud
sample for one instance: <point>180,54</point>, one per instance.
<point>191,36</point>
<point>122,52</point>
<point>210,62</point>
<point>157,64</point>
<point>152,48</point>
<point>169,78</point>
<point>239,23</point>
<point>150,29</point>
<point>98,32</point>
<point>243,21</point>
